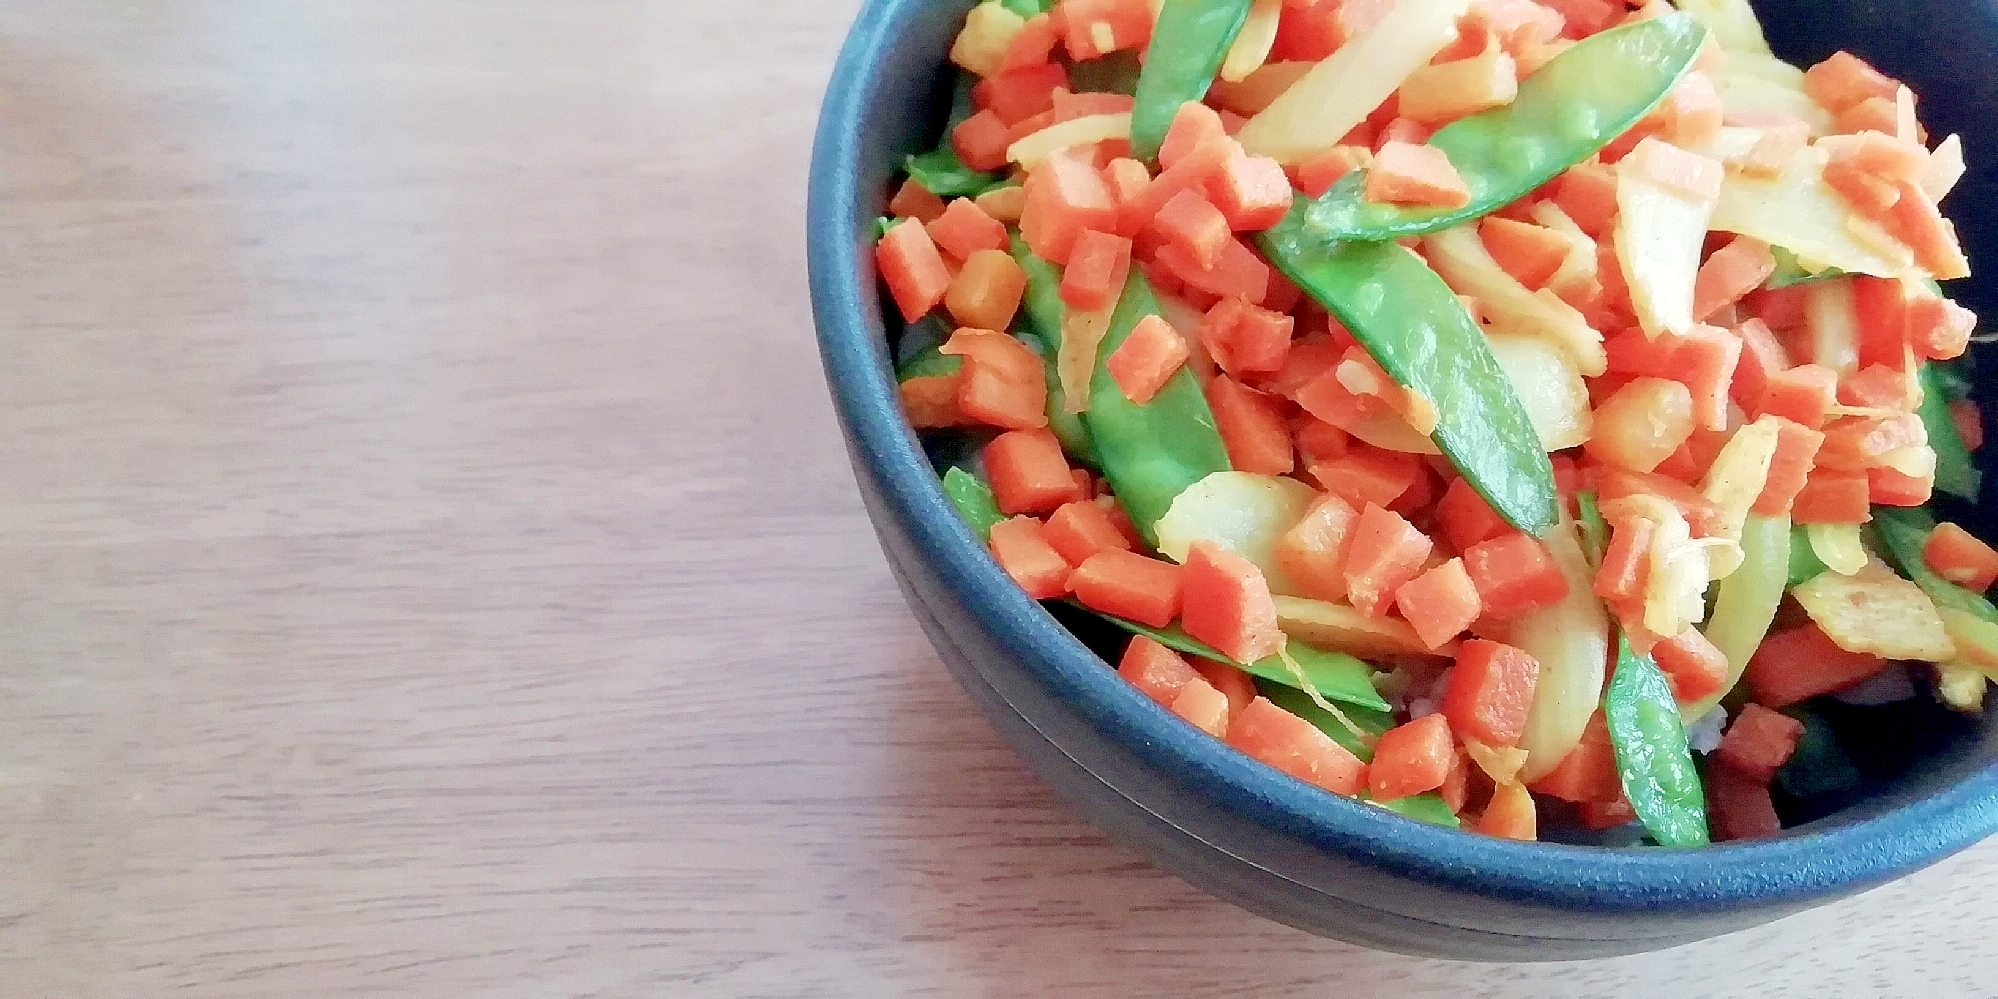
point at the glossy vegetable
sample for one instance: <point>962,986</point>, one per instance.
<point>1370,721</point>
<point>1337,676</point>
<point>940,170</point>
<point>1042,310</point>
<point>1804,562</point>
<point>1905,532</point>
<point>1651,753</point>
<point>1242,512</point>
<point>1790,272</point>
<point>973,500</point>
<point>1745,602</point>
<point>1188,43</point>
<point>1150,453</point>
<point>1428,808</point>
<point>1956,471</point>
<point>1412,324</point>
<point>1565,112</point>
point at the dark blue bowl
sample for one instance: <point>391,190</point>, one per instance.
<point>1243,831</point>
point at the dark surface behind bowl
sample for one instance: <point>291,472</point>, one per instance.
<point>1253,836</point>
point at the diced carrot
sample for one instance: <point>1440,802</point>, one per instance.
<point>1367,474</point>
<point>1960,557</point>
<point>1740,807</point>
<point>1383,552</point>
<point>1586,17</point>
<point>1781,308</point>
<point>1854,444</point>
<point>1832,498</point>
<point>1703,359</point>
<point>1490,692</point>
<point>1511,812</point>
<point>1318,441</point>
<point>930,402</point>
<point>1421,494</point>
<point>1695,667</point>
<point>1097,267</point>
<point>1309,30</point>
<point>1193,170</point>
<point>1028,472</point>
<point>1188,220</point>
<point>1313,552</point>
<point>1018,94</point>
<point>1844,80</point>
<point>1227,604</point>
<point>1801,663</point>
<point>981,141</point>
<point>914,201</point>
<point>1969,422</point>
<point>1003,203</point>
<point>1465,519</point>
<point>1070,106</point>
<point>1762,355</point>
<point>1568,477</point>
<point>1251,427</point>
<point>1588,772</point>
<point>1306,360</point>
<point>1032,46</point>
<point>1686,173</point>
<point>1641,424</point>
<point>1003,382</point>
<point>1514,574</point>
<point>1273,736</point>
<point>1081,528</point>
<point>1230,681</point>
<point>1789,471</point>
<point>1874,114</point>
<point>1599,815</point>
<point>1402,130</point>
<point>1193,125</point>
<point>1283,297</point>
<point>1147,359</point>
<point>1408,174</point>
<point>1530,253</point>
<point>1439,604</point>
<point>1317,174</point>
<point>1803,394</point>
<point>1625,564</point>
<point>1444,92</point>
<point>1917,221</point>
<point>987,290</point>
<point>1411,758</point>
<point>909,262</point>
<point>1892,487</point>
<point>1252,191</point>
<point>1938,328</point>
<point>1124,24</point>
<point>1020,546</point>
<point>1885,156</point>
<point>1691,112</point>
<point>1065,197</point>
<point>1244,339</point>
<point>1236,271</point>
<point>1780,142</point>
<point>1866,193</point>
<point>1878,387</point>
<point>1732,271</point>
<point>1456,789</point>
<point>1759,742</point>
<point>1129,585</point>
<point>1702,515</point>
<point>1587,193</point>
<point>1158,672</point>
<point>1202,706</point>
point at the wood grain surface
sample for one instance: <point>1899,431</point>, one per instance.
<point>428,566</point>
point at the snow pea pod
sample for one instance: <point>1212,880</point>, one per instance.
<point>1370,720</point>
<point>1411,322</point>
<point>1042,309</point>
<point>973,500</point>
<point>1188,43</point>
<point>1428,808</point>
<point>940,170</point>
<point>1338,676</point>
<point>1150,452</point>
<point>1804,562</point>
<point>1956,471</point>
<point>1905,532</point>
<point>1573,106</point>
<point>1595,533</point>
<point>1027,8</point>
<point>1652,757</point>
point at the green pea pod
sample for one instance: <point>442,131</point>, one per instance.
<point>1027,8</point>
<point>1297,702</point>
<point>1652,757</point>
<point>882,224</point>
<point>940,170</point>
<point>1905,532</point>
<point>1152,452</point>
<point>973,500</point>
<point>1414,325</point>
<point>1819,765</point>
<point>1420,807</point>
<point>1042,310</point>
<point>1789,272</point>
<point>1573,106</point>
<point>1188,44</point>
<point>1956,471</point>
<point>1595,533</point>
<point>1804,562</point>
<point>1338,676</point>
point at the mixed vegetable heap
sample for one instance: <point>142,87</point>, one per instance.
<point>1470,406</point>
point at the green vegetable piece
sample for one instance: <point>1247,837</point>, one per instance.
<point>1187,46</point>
<point>918,350</point>
<point>1954,376</point>
<point>1820,765</point>
<point>1420,807</point>
<point>1414,325</point>
<point>1789,272</point>
<point>1151,452</point>
<point>1027,8</point>
<point>1369,720</point>
<point>1573,106</point>
<point>973,500</point>
<point>881,226</point>
<point>1804,562</point>
<point>1338,676</point>
<point>1956,471</point>
<point>940,170</point>
<point>1745,602</point>
<point>1652,757</point>
<point>1595,533</point>
<point>1905,531</point>
<point>1041,311</point>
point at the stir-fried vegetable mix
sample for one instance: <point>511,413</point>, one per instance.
<point>1460,401</point>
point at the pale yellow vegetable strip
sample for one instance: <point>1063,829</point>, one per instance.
<point>1075,360</point>
<point>1733,483</point>
<point>1945,168</point>
<point>1659,235</point>
<point>1340,92</point>
<point>1253,42</point>
<point>1460,257</point>
<point>1733,23</point>
<point>1797,211</point>
<point>1087,130</point>
<point>1570,640</point>
<point>1837,546</point>
<point>1746,601</point>
<point>1834,324</point>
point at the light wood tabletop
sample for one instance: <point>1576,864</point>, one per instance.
<point>428,566</point>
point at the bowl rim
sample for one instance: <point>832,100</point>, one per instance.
<point>1795,868</point>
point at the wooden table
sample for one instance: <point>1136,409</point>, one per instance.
<point>429,567</point>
